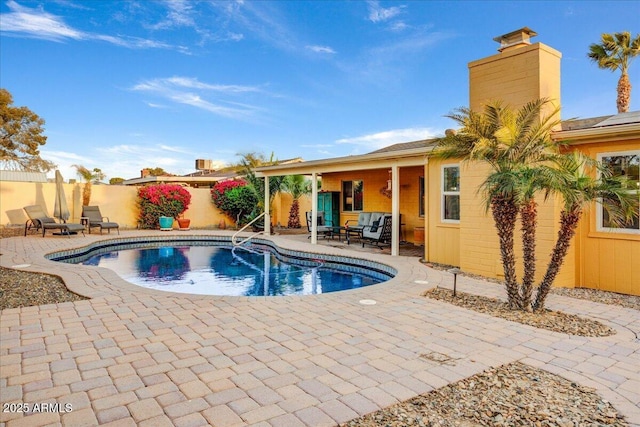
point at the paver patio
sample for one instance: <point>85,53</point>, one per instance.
<point>132,356</point>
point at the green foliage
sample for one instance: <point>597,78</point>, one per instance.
<point>96,175</point>
<point>158,172</point>
<point>21,135</point>
<point>155,201</point>
<point>116,181</point>
<point>236,198</point>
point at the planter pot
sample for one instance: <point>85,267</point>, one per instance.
<point>184,223</point>
<point>166,223</point>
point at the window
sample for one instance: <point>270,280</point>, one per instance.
<point>451,193</point>
<point>352,195</point>
<point>421,196</point>
<point>625,164</point>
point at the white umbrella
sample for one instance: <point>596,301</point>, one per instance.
<point>61,210</point>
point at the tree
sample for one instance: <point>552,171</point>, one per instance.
<point>246,165</point>
<point>615,52</point>
<point>516,145</point>
<point>158,172</point>
<point>21,135</point>
<point>297,186</point>
<point>89,176</point>
<point>116,181</point>
<point>579,189</point>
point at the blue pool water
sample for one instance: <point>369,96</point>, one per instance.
<point>223,270</point>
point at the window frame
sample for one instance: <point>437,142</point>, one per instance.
<point>344,196</point>
<point>421,198</point>
<point>444,193</point>
<point>599,209</point>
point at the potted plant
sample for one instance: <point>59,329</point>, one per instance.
<point>161,204</point>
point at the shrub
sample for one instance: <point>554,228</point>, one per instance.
<point>235,198</point>
<point>155,201</point>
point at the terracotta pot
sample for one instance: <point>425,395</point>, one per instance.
<point>184,223</point>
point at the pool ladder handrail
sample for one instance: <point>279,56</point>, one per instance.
<point>235,235</point>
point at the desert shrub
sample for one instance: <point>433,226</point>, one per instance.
<point>155,201</point>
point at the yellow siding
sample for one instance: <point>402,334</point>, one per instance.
<point>607,261</point>
<point>516,76</point>
<point>443,238</point>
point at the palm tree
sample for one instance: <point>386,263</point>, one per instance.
<point>297,186</point>
<point>513,143</point>
<point>615,52</point>
<point>578,189</point>
<point>96,175</point>
<point>248,162</point>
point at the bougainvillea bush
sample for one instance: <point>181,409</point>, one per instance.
<point>155,201</point>
<point>236,198</point>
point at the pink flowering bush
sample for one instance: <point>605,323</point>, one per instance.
<point>236,198</point>
<point>155,201</point>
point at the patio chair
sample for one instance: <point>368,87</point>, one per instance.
<point>39,219</point>
<point>95,219</point>
<point>379,233</point>
<point>326,230</point>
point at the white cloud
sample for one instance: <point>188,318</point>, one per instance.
<point>320,49</point>
<point>39,24</point>
<point>378,13</point>
<point>386,138</point>
<point>191,91</point>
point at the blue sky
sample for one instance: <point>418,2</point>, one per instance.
<point>128,84</point>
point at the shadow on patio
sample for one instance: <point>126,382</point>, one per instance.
<point>301,235</point>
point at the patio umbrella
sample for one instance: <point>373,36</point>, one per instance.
<point>61,210</point>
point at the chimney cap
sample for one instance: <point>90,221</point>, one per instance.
<point>515,38</point>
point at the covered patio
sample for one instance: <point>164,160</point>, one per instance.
<point>383,174</point>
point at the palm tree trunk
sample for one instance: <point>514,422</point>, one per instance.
<point>568,225</point>
<point>529,219</point>
<point>294,215</point>
<point>505,213</point>
<point>86,194</point>
<point>624,93</point>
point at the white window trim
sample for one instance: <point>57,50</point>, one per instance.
<point>599,226</point>
<point>448,193</point>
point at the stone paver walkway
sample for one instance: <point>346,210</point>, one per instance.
<point>131,356</point>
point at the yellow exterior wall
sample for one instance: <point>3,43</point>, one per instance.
<point>118,202</point>
<point>515,76</point>
<point>282,205</point>
<point>605,260</point>
<point>443,239</point>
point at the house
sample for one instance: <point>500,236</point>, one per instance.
<point>436,203</point>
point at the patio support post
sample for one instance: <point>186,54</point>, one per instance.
<point>267,215</point>
<point>314,208</point>
<point>395,210</point>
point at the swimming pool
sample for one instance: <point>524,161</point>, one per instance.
<point>215,267</point>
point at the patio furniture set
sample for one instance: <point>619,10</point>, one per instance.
<point>372,228</point>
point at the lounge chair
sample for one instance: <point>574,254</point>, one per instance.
<point>379,233</point>
<point>39,219</point>
<point>95,219</point>
<point>323,229</point>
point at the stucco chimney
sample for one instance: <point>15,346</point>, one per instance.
<point>145,173</point>
<point>515,39</point>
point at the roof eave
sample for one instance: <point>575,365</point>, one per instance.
<point>414,156</point>
<point>599,134</point>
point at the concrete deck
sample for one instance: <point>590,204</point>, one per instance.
<point>131,356</point>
